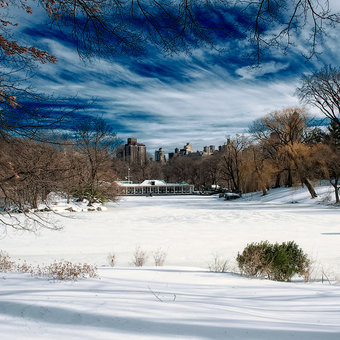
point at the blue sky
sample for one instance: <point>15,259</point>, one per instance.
<point>167,101</point>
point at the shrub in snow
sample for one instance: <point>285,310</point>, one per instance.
<point>25,268</point>
<point>103,192</point>
<point>92,196</point>
<point>139,257</point>
<point>279,262</point>
<point>218,264</point>
<point>65,270</point>
<point>6,265</point>
<point>111,258</point>
<point>159,257</point>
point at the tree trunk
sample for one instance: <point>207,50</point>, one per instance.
<point>278,181</point>
<point>289,179</point>
<point>309,186</point>
<point>35,200</point>
<point>263,186</point>
<point>336,190</point>
<point>337,199</point>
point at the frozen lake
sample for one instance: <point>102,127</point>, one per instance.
<point>190,229</point>
<point>176,301</point>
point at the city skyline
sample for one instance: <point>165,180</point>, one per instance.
<point>126,152</point>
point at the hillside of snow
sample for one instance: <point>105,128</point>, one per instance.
<point>293,195</point>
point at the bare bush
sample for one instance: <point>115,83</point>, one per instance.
<point>65,270</point>
<point>326,199</point>
<point>139,257</point>
<point>159,257</point>
<point>218,264</point>
<point>6,265</point>
<point>310,272</point>
<point>25,268</point>
<point>111,259</point>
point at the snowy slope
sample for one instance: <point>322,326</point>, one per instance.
<point>166,304</point>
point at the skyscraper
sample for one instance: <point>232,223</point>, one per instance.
<point>160,155</point>
<point>133,152</point>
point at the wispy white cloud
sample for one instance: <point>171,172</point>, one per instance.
<point>248,72</point>
<point>205,114</point>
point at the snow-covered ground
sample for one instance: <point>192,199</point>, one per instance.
<point>167,304</point>
<point>181,300</point>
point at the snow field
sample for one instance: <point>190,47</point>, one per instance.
<point>182,300</point>
<point>149,303</point>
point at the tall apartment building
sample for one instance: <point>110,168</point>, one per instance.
<point>208,150</point>
<point>160,155</point>
<point>187,150</point>
<point>133,152</point>
<point>174,154</point>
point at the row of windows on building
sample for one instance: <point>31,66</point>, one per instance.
<point>155,189</point>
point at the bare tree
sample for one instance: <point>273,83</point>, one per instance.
<point>285,19</point>
<point>278,129</point>
<point>125,26</point>
<point>329,155</point>
<point>257,169</point>
<point>322,89</point>
<point>209,166</point>
<point>302,161</point>
<point>29,171</point>
<point>129,26</point>
<point>231,161</point>
<point>330,166</point>
<point>283,134</point>
<point>96,141</point>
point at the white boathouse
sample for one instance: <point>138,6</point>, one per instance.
<point>154,187</point>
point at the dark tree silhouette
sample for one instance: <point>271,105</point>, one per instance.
<point>322,89</point>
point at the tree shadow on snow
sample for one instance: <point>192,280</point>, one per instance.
<point>222,328</point>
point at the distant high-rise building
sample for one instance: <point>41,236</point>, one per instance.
<point>187,149</point>
<point>173,154</point>
<point>133,152</point>
<point>160,155</point>
<point>208,150</point>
